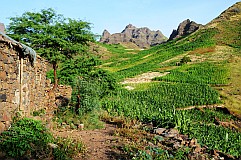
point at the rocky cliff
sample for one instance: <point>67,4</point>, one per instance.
<point>142,37</point>
<point>185,28</point>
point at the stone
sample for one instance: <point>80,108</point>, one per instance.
<point>193,142</point>
<point>159,131</point>
<point>3,75</point>
<point>7,124</point>
<point>81,126</point>
<point>52,145</point>
<point>176,145</point>
<point>2,127</point>
<point>2,28</point>
<point>3,97</point>
<point>6,117</point>
<point>172,133</point>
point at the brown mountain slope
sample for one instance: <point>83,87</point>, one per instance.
<point>142,37</point>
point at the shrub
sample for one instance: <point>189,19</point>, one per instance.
<point>26,137</point>
<point>184,60</point>
<point>29,138</point>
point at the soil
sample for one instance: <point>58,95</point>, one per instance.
<point>101,144</point>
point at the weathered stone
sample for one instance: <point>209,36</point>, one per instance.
<point>6,116</point>
<point>4,58</point>
<point>7,124</point>
<point>3,75</point>
<point>81,126</point>
<point>159,131</point>
<point>171,133</point>
<point>3,98</point>
<point>2,28</point>
<point>2,127</point>
<point>193,142</point>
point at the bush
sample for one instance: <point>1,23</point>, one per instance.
<point>184,60</point>
<point>29,138</point>
<point>26,137</point>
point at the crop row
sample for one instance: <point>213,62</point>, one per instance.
<point>161,53</point>
<point>202,73</point>
<point>158,99</point>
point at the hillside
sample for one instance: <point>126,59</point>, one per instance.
<point>198,88</point>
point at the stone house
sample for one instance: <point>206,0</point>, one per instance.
<point>2,28</point>
<point>24,87</point>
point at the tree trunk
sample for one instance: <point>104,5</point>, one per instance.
<point>77,107</point>
<point>55,75</point>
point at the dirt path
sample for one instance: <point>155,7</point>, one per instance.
<point>144,78</point>
<point>101,144</point>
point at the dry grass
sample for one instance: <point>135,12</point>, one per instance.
<point>232,93</point>
<point>202,50</point>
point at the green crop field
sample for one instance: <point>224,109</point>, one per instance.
<point>190,85</point>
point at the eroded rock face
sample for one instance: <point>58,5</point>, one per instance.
<point>185,28</point>
<point>142,37</point>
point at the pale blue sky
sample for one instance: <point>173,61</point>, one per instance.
<point>114,15</point>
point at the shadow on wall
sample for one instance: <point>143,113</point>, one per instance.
<point>62,101</point>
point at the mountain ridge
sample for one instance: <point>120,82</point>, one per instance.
<point>143,37</point>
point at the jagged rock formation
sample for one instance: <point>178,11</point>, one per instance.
<point>184,28</point>
<point>142,37</point>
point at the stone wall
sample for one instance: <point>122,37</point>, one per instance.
<point>24,87</point>
<point>2,28</point>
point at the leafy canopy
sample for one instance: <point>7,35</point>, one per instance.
<point>54,37</point>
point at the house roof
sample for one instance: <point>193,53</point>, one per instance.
<point>26,50</point>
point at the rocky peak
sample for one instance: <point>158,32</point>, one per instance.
<point>105,36</point>
<point>129,26</point>
<point>142,37</point>
<point>184,28</point>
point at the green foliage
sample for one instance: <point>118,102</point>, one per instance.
<point>185,60</point>
<point>53,36</point>
<point>68,118</point>
<point>88,92</point>
<point>80,66</point>
<point>151,59</point>
<point>202,73</point>
<point>156,153</point>
<point>216,137</point>
<point>26,137</point>
<point>39,112</point>
<point>29,138</point>
<point>230,33</point>
<point>157,103</point>
<point>92,120</point>
<point>67,148</point>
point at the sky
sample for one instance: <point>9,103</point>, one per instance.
<point>114,15</point>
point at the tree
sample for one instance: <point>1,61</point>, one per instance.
<point>54,37</point>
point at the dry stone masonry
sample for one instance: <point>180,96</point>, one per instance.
<point>24,87</point>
